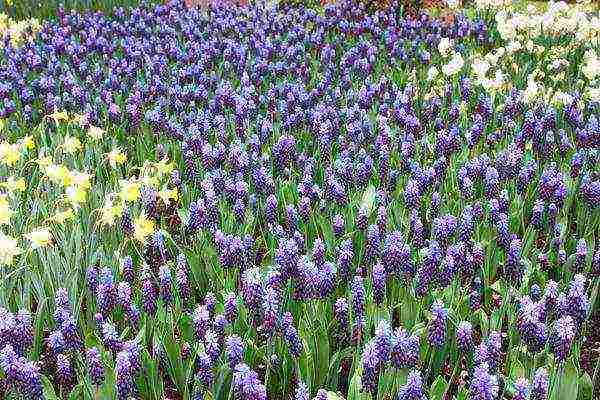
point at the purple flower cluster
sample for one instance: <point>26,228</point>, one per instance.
<point>317,180</point>
<point>20,374</point>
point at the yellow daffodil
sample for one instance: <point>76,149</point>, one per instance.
<point>9,153</point>
<point>59,116</point>
<point>130,190</point>
<point>62,216</point>
<point>5,211</point>
<point>109,212</point>
<point>72,145</point>
<point>59,174</point>
<point>81,179</point>
<point>76,194</point>
<point>116,157</point>
<point>79,119</point>
<point>14,185</point>
<point>148,180</point>
<point>168,194</point>
<point>95,133</point>
<point>28,143</point>
<point>9,249</point>
<point>44,161</point>
<point>39,237</point>
<point>144,227</point>
<point>163,167</point>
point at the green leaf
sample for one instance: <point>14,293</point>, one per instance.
<point>76,393</point>
<point>380,313</point>
<point>585,386</point>
<point>569,263</point>
<point>438,389</point>
<point>48,389</point>
<point>569,382</point>
<point>368,199</point>
<point>321,357</point>
<point>463,394</point>
<point>334,366</point>
<point>496,320</point>
<point>334,396</point>
<point>516,368</point>
<point>498,287</point>
<point>354,388</point>
<point>484,322</point>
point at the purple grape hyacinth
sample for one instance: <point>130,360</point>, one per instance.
<point>413,389</point>
<point>436,330</point>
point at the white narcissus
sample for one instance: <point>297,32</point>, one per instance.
<point>432,73</point>
<point>453,4</point>
<point>591,69</point>
<point>480,67</point>
<point>9,249</point>
<point>39,237</point>
<point>531,91</point>
<point>444,46</point>
<point>454,66</point>
<point>594,94</point>
<point>5,210</point>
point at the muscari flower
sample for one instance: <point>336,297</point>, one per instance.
<point>370,367</point>
<point>64,371</point>
<point>405,349</point>
<point>539,385</point>
<point>413,389</point>
<point>522,389</point>
<point>181,277</point>
<point>357,291</point>
<point>575,303</point>
<point>436,330</point>
<point>95,366</point>
<point>234,349</point>
<point>464,336</point>
<point>124,376</point>
<point>301,391</point>
<point>246,385</point>
<point>290,334</point>
<point>205,372</point>
<point>564,331</point>
<point>484,386</point>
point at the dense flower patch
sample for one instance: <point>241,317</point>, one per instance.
<point>253,203</point>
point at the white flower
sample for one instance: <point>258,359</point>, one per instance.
<point>531,91</point>
<point>562,98</point>
<point>594,94</point>
<point>444,46</point>
<point>9,249</point>
<point>432,73</point>
<point>454,66</point>
<point>558,64</point>
<point>507,28</point>
<point>498,79</point>
<point>591,69</point>
<point>453,4</point>
<point>513,46</point>
<point>480,67</point>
